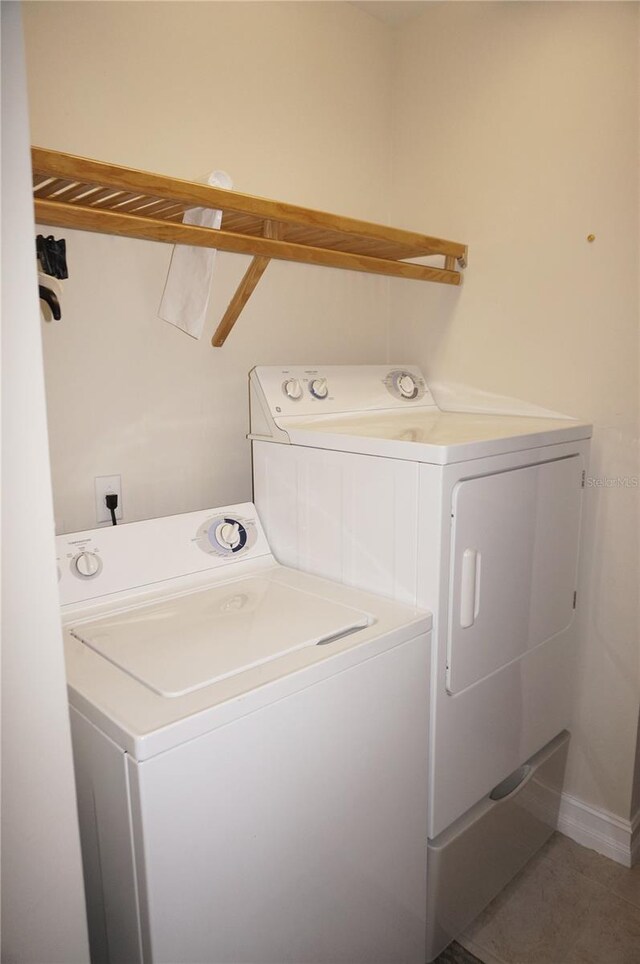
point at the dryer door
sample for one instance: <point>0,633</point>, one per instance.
<point>514,558</point>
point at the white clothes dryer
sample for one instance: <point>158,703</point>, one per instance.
<point>360,476</point>
<point>250,748</point>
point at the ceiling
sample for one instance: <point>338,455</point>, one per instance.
<point>391,11</point>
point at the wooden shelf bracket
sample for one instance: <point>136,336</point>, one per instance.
<point>245,289</point>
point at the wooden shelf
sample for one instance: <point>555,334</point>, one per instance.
<point>75,192</point>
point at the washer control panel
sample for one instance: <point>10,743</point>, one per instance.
<point>100,562</point>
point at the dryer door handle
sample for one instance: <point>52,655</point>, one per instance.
<point>470,587</point>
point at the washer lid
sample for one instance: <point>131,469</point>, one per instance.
<point>191,641</point>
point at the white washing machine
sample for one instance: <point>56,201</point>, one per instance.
<point>361,477</point>
<point>250,747</point>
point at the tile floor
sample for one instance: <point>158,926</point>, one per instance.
<point>569,905</point>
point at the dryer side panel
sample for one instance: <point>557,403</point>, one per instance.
<point>515,541</point>
<point>347,517</point>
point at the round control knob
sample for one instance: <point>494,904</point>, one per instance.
<point>223,535</point>
<point>318,388</point>
<point>86,564</point>
<point>228,535</point>
<point>292,389</point>
<point>406,385</point>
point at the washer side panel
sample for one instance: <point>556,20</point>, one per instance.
<point>106,838</point>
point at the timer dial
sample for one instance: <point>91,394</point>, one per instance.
<point>228,534</point>
<point>405,385</point>
<point>223,536</point>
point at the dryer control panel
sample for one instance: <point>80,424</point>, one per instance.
<point>99,562</point>
<point>333,389</point>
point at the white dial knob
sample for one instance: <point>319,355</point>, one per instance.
<point>292,388</point>
<point>86,564</point>
<point>319,388</point>
<point>406,385</point>
<point>224,536</point>
<point>228,534</point>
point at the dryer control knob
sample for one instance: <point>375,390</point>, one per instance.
<point>292,388</point>
<point>319,387</point>
<point>86,564</point>
<point>406,385</point>
<point>228,535</point>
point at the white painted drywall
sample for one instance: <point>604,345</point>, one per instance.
<point>516,131</point>
<point>43,914</point>
<point>292,99</point>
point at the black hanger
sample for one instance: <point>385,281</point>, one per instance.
<point>46,294</point>
<point>52,256</point>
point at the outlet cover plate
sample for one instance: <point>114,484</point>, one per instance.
<point>107,485</point>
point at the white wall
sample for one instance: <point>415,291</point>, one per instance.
<point>43,914</point>
<point>516,131</point>
<point>292,99</point>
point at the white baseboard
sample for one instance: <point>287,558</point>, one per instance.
<point>600,830</point>
<point>635,838</point>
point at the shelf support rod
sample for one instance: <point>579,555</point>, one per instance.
<point>245,289</point>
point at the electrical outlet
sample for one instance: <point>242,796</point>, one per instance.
<point>107,485</point>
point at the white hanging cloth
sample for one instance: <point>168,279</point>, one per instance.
<point>188,286</point>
